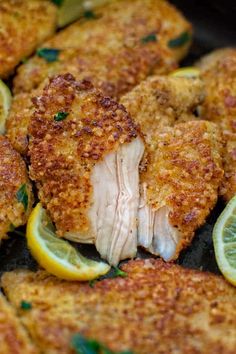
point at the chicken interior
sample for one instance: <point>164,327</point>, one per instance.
<point>87,166</point>
<point>114,208</point>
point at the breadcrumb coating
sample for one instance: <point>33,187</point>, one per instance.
<point>24,25</point>
<point>13,337</point>
<point>63,153</point>
<point>161,101</point>
<point>219,74</point>
<point>158,308</point>
<point>183,173</point>
<point>124,43</point>
<point>13,176</point>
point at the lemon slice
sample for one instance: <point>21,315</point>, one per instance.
<point>5,104</point>
<point>70,10</point>
<point>224,239</point>
<point>56,255</point>
<point>188,71</point>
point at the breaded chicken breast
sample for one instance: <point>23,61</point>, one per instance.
<point>162,101</point>
<point>13,337</point>
<point>219,74</point>
<point>85,152</point>
<point>158,308</point>
<point>24,25</point>
<point>124,43</point>
<point>128,41</point>
<point>179,185</point>
<point>16,196</point>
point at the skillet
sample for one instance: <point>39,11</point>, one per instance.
<point>214,27</point>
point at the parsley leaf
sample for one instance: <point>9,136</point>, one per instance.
<point>152,37</point>
<point>58,2</point>
<point>22,196</point>
<point>182,39</point>
<point>119,273</point>
<point>49,54</point>
<point>82,345</point>
<point>25,305</point>
<point>60,116</point>
<point>92,283</point>
<point>90,15</point>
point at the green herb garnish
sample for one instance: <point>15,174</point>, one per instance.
<point>81,345</point>
<point>49,54</point>
<point>25,305</point>
<point>92,283</point>
<point>22,196</point>
<point>152,37</point>
<point>90,15</point>
<point>180,40</point>
<point>60,116</point>
<point>119,273</point>
<point>58,2</point>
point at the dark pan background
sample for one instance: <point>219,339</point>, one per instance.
<point>214,26</point>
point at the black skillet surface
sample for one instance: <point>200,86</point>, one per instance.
<point>214,27</point>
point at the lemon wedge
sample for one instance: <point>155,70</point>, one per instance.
<point>188,71</point>
<point>56,255</point>
<point>70,10</point>
<point>5,104</point>
<point>224,239</point>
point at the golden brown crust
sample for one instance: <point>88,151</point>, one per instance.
<point>161,101</point>
<point>13,175</point>
<point>219,74</point>
<point>158,308</point>
<point>115,50</point>
<point>24,25</point>
<point>13,337</point>
<point>63,153</point>
<point>184,173</point>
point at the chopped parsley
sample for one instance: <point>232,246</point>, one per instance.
<point>152,37</point>
<point>92,283</point>
<point>25,305</point>
<point>119,273</point>
<point>90,15</point>
<point>22,196</point>
<point>58,2</point>
<point>49,54</point>
<point>82,345</point>
<point>60,116</point>
<point>182,39</point>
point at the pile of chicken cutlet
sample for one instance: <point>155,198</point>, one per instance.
<point>122,155</point>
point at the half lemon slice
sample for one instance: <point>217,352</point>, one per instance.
<point>5,104</point>
<point>188,71</point>
<point>224,239</point>
<point>56,255</point>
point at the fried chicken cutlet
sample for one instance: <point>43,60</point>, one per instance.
<point>162,101</point>
<point>219,74</point>
<point>24,25</point>
<point>158,308</point>
<point>179,186</point>
<point>125,43</point>
<point>14,339</point>
<point>173,171</point>
<point>85,152</point>
<point>16,196</point>
<point>128,41</point>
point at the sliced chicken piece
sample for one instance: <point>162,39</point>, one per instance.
<point>85,152</point>
<point>179,186</point>
<point>219,74</point>
<point>16,196</point>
